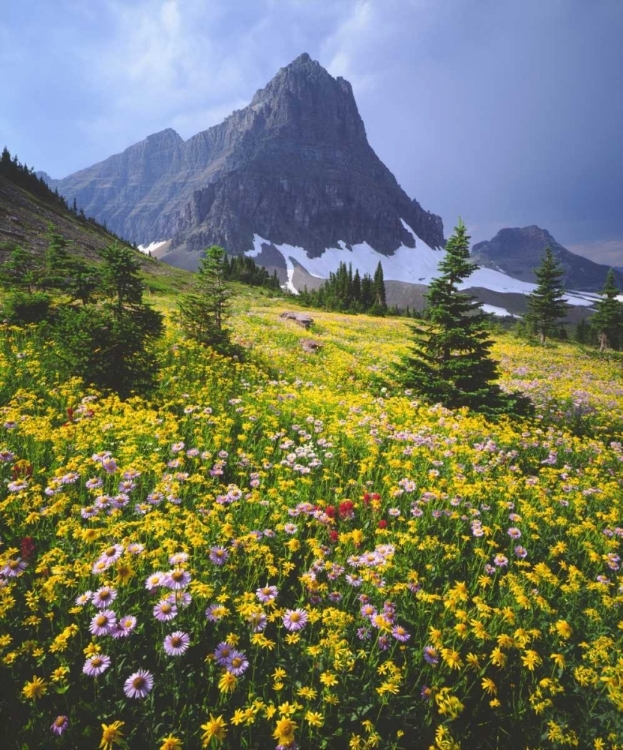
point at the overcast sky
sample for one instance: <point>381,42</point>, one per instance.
<point>505,112</point>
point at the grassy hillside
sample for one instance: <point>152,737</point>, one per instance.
<point>24,221</point>
<point>390,574</point>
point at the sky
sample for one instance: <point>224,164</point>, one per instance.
<point>503,112</point>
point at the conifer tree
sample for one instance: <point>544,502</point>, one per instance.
<point>378,285</point>
<point>607,322</point>
<point>546,305</point>
<point>450,361</point>
<point>203,314</point>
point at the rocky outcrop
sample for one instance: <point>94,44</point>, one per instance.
<point>294,167</point>
<point>518,252</point>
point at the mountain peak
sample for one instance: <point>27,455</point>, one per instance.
<point>518,251</point>
<point>294,167</point>
<point>168,135</point>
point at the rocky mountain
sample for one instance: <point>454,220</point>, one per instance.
<point>518,252</point>
<point>294,167</point>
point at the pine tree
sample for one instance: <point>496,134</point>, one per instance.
<point>451,360</point>
<point>203,314</point>
<point>607,322</point>
<point>110,345</point>
<point>546,305</point>
<point>378,285</point>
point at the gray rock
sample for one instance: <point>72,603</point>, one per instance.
<point>294,167</point>
<point>310,346</point>
<point>518,252</point>
<point>301,319</point>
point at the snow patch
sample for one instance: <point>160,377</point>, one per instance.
<point>151,248</point>
<point>419,265</point>
<point>499,311</point>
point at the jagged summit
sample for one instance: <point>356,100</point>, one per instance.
<point>294,167</point>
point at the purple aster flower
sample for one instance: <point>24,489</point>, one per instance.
<point>135,548</point>
<point>99,566</point>
<point>82,599</point>
<point>364,634</point>
<point>367,610</point>
<point>215,612</point>
<point>154,580</point>
<point>112,554</point>
<point>219,555</point>
<point>178,558</point>
<point>290,528</point>
<point>223,653</point>
<point>267,594</point>
<point>139,684</point>
<point>124,627</point>
<point>431,656</point>
<point>59,725</point>
<point>400,634</point>
<point>500,560</point>
<point>181,598</point>
<point>177,579</point>
<point>90,511</point>
<point>177,643</point>
<point>96,665</point>
<point>165,610</point>
<point>257,621</point>
<point>295,619</point>
<point>6,456</point>
<point>93,484</point>
<point>383,642</point>
<point>237,664</point>
<point>18,486</point>
<point>103,597</point>
<point>514,532</point>
<point>521,552</point>
<point>103,623</point>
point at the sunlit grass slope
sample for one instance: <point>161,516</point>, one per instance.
<point>290,551</point>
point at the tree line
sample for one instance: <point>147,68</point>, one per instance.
<point>345,291</point>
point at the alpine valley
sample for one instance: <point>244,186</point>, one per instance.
<point>292,181</point>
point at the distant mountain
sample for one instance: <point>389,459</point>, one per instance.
<point>294,166</point>
<point>518,252</point>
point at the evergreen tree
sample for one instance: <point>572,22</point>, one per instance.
<point>378,289</point>
<point>203,314</point>
<point>450,361</point>
<point>546,305</point>
<point>607,322</point>
<point>110,345</point>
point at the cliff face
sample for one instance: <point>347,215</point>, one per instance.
<point>518,252</point>
<point>294,166</point>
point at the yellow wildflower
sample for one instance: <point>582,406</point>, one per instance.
<point>284,731</point>
<point>171,743</point>
<point>227,682</point>
<point>314,718</point>
<point>35,689</point>
<point>111,735</point>
<point>215,727</point>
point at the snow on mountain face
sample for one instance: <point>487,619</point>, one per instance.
<point>419,265</point>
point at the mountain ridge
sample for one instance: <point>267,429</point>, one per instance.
<point>294,165</point>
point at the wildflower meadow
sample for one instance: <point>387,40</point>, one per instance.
<point>288,550</point>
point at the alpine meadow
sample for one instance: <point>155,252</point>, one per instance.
<point>311,375</point>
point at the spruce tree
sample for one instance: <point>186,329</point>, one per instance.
<point>607,322</point>
<point>380,302</point>
<point>203,314</point>
<point>450,361</point>
<point>546,305</point>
